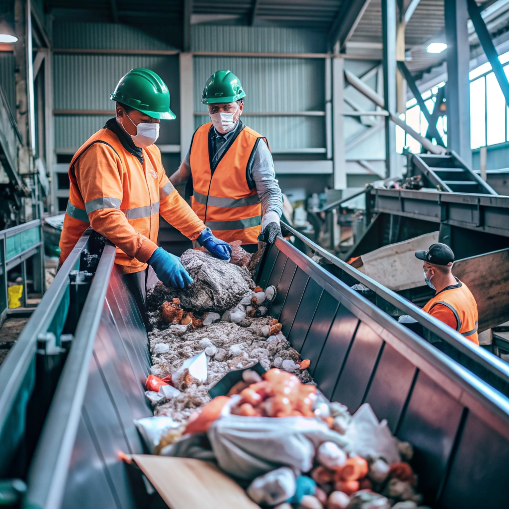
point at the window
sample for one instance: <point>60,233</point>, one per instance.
<point>489,113</point>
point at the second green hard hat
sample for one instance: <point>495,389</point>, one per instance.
<point>144,90</point>
<point>222,87</point>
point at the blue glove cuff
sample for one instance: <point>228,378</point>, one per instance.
<point>157,255</point>
<point>204,236</point>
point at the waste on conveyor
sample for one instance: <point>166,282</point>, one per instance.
<point>227,386</point>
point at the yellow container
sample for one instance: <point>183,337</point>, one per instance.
<point>14,294</point>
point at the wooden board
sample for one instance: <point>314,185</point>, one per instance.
<point>186,483</point>
<point>395,266</point>
<point>487,276</point>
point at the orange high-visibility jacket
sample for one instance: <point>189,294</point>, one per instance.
<point>222,198</point>
<point>456,307</point>
<point>111,191</point>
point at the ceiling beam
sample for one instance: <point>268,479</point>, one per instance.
<point>346,22</point>
<point>39,58</point>
<point>254,11</point>
<point>411,9</point>
<point>114,10</point>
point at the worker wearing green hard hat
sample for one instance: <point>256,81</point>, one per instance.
<point>118,186</point>
<point>144,91</point>
<point>234,189</point>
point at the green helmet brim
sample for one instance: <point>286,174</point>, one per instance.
<point>220,100</point>
<point>165,115</point>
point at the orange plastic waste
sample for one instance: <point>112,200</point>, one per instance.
<point>154,383</point>
<point>200,422</point>
<point>347,487</point>
<point>354,469</point>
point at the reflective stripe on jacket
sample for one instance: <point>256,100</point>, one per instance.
<point>461,303</point>
<point>222,198</point>
<point>120,198</point>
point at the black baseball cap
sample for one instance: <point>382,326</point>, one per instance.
<point>437,254</point>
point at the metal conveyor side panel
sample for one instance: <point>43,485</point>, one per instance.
<point>114,397</point>
<point>358,355</point>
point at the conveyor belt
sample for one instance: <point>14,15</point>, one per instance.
<point>458,423</point>
<point>477,212</point>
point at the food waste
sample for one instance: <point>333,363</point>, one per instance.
<point>222,324</point>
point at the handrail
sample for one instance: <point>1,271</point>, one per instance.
<point>50,464</point>
<point>467,388</point>
<point>491,363</point>
<point>336,203</point>
<point>20,357</point>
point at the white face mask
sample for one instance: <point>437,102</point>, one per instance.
<point>223,122</point>
<point>428,281</point>
<point>146,133</point>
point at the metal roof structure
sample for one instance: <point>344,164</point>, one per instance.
<point>357,24</point>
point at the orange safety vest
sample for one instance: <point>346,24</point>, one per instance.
<point>121,198</point>
<point>222,198</point>
<point>463,306</point>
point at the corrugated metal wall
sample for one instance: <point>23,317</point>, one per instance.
<point>103,36</point>
<point>85,82</point>
<point>256,39</point>
<point>272,85</point>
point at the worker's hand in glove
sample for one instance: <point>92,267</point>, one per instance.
<point>270,228</point>
<point>217,247</point>
<point>168,269</point>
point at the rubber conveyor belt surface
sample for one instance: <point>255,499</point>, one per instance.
<point>458,424</point>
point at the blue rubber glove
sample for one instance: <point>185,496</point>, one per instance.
<point>219,248</point>
<point>168,269</point>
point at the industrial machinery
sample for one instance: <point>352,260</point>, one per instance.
<point>72,385</point>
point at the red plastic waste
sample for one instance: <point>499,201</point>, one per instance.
<point>153,383</point>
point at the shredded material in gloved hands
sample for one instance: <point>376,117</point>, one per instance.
<point>217,285</point>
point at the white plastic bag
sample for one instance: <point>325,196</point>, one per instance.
<point>154,429</point>
<point>367,437</point>
<point>248,447</point>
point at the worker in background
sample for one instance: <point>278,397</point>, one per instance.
<point>230,170</point>
<point>453,302</point>
<point>118,186</point>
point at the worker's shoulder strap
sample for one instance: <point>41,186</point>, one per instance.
<point>454,312</point>
<point>77,156</point>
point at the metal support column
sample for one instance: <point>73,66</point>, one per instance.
<point>49,126</point>
<point>400,56</point>
<point>458,85</point>
<point>186,103</point>
<point>338,82</point>
<point>186,22</point>
<point>328,107</point>
<point>389,66</point>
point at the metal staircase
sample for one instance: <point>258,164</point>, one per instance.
<point>448,173</point>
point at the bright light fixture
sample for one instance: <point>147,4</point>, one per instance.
<point>436,47</point>
<point>7,38</point>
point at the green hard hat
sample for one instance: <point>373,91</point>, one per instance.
<point>144,90</point>
<point>222,87</point>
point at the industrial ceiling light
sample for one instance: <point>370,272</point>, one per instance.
<point>8,38</point>
<point>7,33</point>
<point>436,47</point>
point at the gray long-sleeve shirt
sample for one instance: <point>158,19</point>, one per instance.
<point>260,171</point>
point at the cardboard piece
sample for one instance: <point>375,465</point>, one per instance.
<point>186,483</point>
<point>395,266</point>
<point>486,276</point>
